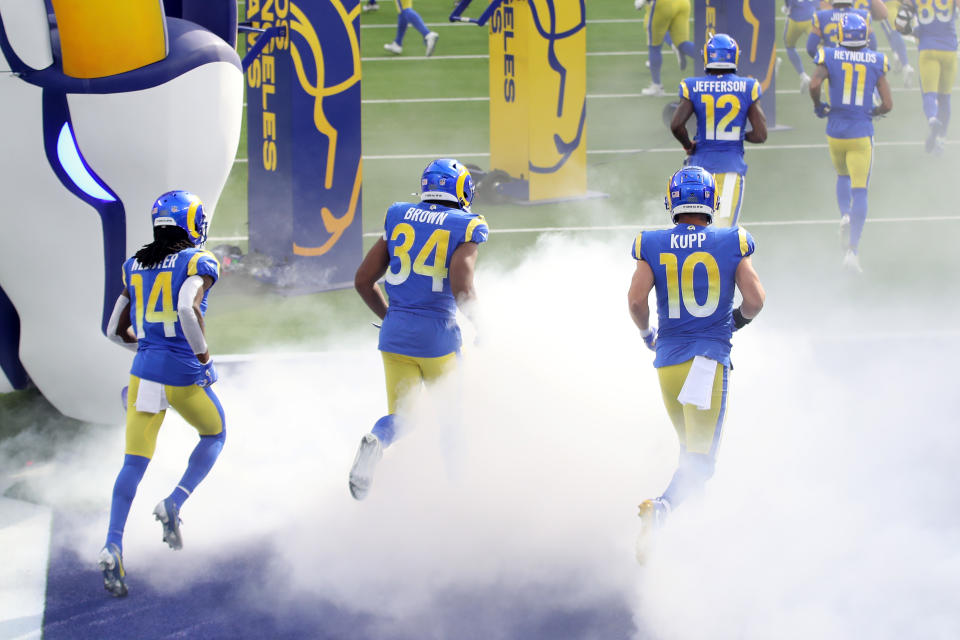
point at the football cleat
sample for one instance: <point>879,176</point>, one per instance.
<point>371,6</point>
<point>431,41</point>
<point>168,513</point>
<point>393,47</point>
<point>721,52</point>
<point>653,514</point>
<point>447,180</point>
<point>181,209</point>
<point>361,473</point>
<point>776,67</point>
<point>691,190</point>
<point>853,30</point>
<point>845,231</point>
<point>653,90</point>
<point>804,83</point>
<point>931,142</point>
<point>909,76</point>
<point>851,262</point>
<point>110,563</point>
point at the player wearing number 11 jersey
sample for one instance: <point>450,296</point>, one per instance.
<point>426,256</point>
<point>694,268</point>
<point>854,72</point>
<point>723,103</point>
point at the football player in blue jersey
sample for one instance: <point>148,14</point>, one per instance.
<point>694,268</point>
<point>723,103</point>
<point>825,30</point>
<point>798,25</point>
<point>901,61</point>
<point>854,72</point>
<point>666,17</point>
<point>406,15</point>
<point>159,314</point>
<point>936,32</point>
<point>427,256</point>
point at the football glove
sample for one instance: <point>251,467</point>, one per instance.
<point>208,375</point>
<point>650,338</point>
<point>822,110</point>
<point>639,4</point>
<point>904,20</point>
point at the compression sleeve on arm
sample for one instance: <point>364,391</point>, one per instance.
<point>188,317</point>
<point>118,308</point>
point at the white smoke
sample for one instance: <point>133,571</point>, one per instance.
<point>831,515</point>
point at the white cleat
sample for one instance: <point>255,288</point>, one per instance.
<point>776,67</point>
<point>845,232</point>
<point>909,76</point>
<point>851,262</point>
<point>393,48</point>
<point>431,41</point>
<point>361,473</point>
<point>804,82</point>
<point>653,90</point>
<point>368,6</point>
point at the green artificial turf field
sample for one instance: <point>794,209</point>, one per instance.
<point>630,155</point>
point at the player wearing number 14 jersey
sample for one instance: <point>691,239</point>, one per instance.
<point>854,72</point>
<point>159,313</point>
<point>723,103</point>
<point>426,256</point>
<point>694,268</point>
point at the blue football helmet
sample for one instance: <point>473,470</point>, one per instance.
<point>853,30</point>
<point>181,209</point>
<point>691,190</point>
<point>447,180</point>
<point>721,52</point>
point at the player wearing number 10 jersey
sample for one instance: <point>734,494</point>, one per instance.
<point>723,103</point>
<point>694,268</point>
<point>427,255</point>
<point>854,72</point>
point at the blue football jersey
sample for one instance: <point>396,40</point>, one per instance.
<point>853,75</point>
<point>163,353</point>
<point>802,10</point>
<point>421,239</point>
<point>721,103</point>
<point>936,28</point>
<point>694,272</point>
<point>827,23</point>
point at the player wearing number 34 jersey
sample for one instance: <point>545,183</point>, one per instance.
<point>426,256</point>
<point>694,268</point>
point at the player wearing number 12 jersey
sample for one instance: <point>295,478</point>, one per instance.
<point>723,103</point>
<point>694,268</point>
<point>427,255</point>
<point>159,313</point>
<point>854,72</point>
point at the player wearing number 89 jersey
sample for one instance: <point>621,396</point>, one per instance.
<point>723,103</point>
<point>426,256</point>
<point>937,41</point>
<point>854,72</point>
<point>694,268</point>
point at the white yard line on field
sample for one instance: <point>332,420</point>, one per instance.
<point>636,227</point>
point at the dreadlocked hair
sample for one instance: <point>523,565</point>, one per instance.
<point>166,240</point>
